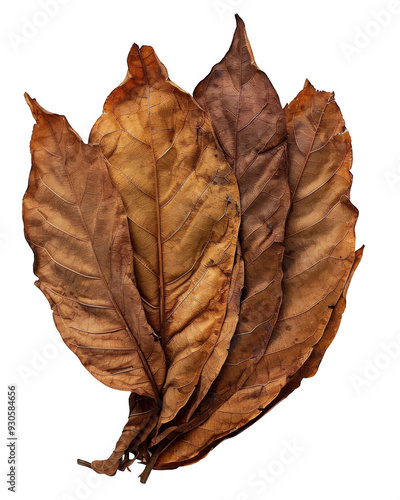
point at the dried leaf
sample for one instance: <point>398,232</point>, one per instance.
<point>249,123</point>
<point>311,365</point>
<point>308,369</point>
<point>198,252</point>
<point>318,264</point>
<point>141,422</point>
<point>182,201</point>
<point>76,224</point>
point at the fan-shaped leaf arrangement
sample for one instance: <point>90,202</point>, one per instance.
<point>198,251</point>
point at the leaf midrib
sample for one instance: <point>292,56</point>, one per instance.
<point>158,210</point>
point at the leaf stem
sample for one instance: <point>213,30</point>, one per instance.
<point>149,467</point>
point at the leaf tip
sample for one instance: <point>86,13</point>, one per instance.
<point>31,102</point>
<point>241,40</point>
<point>35,108</point>
<point>240,27</point>
<point>360,251</point>
<point>310,86</point>
<point>307,84</point>
<point>239,21</point>
<point>144,65</point>
<point>134,50</point>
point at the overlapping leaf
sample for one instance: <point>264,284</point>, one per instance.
<point>75,223</point>
<point>249,123</point>
<point>182,203</point>
<point>319,258</point>
<point>308,369</point>
<point>198,252</point>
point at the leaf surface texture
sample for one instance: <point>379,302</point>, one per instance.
<point>197,253</point>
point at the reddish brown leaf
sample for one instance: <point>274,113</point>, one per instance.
<point>198,252</point>
<point>76,224</point>
<point>319,259</point>
<point>249,123</point>
<point>250,126</point>
<point>308,369</point>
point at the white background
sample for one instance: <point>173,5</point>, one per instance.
<point>346,424</point>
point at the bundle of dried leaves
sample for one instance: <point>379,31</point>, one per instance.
<point>197,252</point>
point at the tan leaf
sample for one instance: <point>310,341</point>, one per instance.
<point>249,123</point>
<point>182,202</point>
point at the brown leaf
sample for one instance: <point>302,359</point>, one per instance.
<point>318,264</point>
<point>197,252</point>
<point>308,369</point>
<point>76,224</point>
<point>182,202</point>
<point>215,361</point>
<point>249,123</point>
<point>142,420</point>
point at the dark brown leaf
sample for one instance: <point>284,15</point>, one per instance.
<point>319,259</point>
<point>249,124</point>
